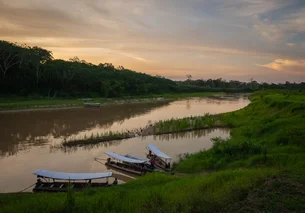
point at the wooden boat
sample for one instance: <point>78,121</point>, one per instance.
<point>50,181</point>
<point>92,104</point>
<point>161,160</point>
<point>147,166</point>
<point>127,164</point>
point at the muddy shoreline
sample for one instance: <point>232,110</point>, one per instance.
<point>73,106</point>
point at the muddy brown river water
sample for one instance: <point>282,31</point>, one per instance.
<point>27,139</point>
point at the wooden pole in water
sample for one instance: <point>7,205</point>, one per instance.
<point>27,188</point>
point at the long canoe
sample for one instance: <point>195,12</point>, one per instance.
<point>50,181</point>
<point>128,164</point>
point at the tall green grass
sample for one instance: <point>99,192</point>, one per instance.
<point>189,123</point>
<point>97,138</point>
<point>267,129</point>
<point>152,193</point>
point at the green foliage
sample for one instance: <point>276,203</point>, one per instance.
<point>152,193</point>
<point>189,123</point>
<point>70,200</point>
<point>262,133</point>
<point>98,138</point>
<point>32,70</point>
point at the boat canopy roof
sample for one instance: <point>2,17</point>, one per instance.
<point>157,152</point>
<point>123,158</point>
<point>136,157</point>
<point>71,176</point>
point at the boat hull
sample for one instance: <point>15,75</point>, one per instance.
<point>126,167</point>
<point>63,186</point>
<point>92,104</point>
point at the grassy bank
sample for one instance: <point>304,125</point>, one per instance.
<point>15,103</point>
<point>268,132</point>
<point>152,193</point>
<point>189,123</point>
<point>261,168</point>
<point>97,138</point>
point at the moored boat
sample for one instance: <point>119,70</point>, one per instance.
<point>147,166</point>
<point>51,181</point>
<point>88,104</point>
<point>159,159</point>
<point>127,164</point>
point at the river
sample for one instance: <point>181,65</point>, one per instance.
<point>28,139</point>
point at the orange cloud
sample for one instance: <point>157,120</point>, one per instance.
<point>286,65</point>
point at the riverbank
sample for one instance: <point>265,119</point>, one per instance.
<point>28,104</point>
<point>159,128</point>
<point>261,168</point>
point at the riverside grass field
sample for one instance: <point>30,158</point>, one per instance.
<point>261,168</point>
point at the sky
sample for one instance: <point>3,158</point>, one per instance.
<point>262,40</point>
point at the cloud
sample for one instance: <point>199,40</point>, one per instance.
<point>283,28</point>
<point>202,37</point>
<point>251,7</point>
<point>291,44</point>
<point>286,65</point>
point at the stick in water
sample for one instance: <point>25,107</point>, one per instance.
<point>27,187</point>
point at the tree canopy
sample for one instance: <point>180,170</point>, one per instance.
<point>33,70</point>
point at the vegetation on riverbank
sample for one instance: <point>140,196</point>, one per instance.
<point>272,127</point>
<point>152,193</point>
<point>261,168</point>
<point>188,124</point>
<point>97,138</point>
<point>17,102</point>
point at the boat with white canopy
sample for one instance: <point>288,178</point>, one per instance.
<point>136,157</point>
<point>128,163</point>
<point>51,181</point>
<point>158,158</point>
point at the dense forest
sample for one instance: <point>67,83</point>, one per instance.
<point>238,85</point>
<point>33,71</point>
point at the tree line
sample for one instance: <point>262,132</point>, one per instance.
<point>234,85</point>
<point>29,70</point>
<point>33,70</point>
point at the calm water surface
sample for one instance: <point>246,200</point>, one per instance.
<point>28,139</point>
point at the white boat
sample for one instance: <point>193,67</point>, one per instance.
<point>127,164</point>
<point>161,160</point>
<point>51,181</point>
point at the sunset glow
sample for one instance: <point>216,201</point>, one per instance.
<point>236,39</point>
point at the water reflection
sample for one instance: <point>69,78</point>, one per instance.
<point>24,129</point>
<point>192,135</point>
<point>28,140</point>
<point>67,149</point>
<point>189,135</point>
<point>21,130</point>
<point>16,170</point>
